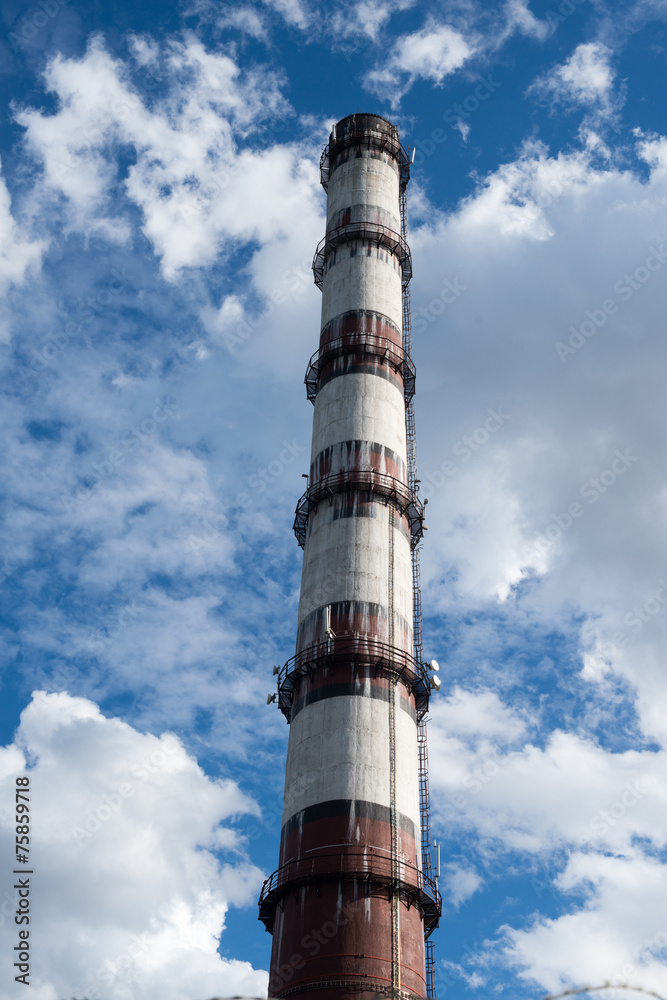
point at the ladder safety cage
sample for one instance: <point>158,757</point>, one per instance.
<point>413,482</point>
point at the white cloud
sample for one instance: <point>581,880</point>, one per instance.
<point>460,884</point>
<point>199,192</point>
<point>364,18</point>
<point>123,517</point>
<point>463,128</point>
<point>540,243</point>
<point>148,528</point>
<point>572,227</point>
<point>152,502</point>
<point>223,322</point>
<point>536,250</point>
<point>571,792</point>
<point>19,255</point>
<point>586,78</point>
<point>368,17</point>
<point>245,19</point>
<point>432,53</point>
<point>619,936</point>
<point>481,714</point>
<point>145,50</point>
<point>293,11</point>
<point>603,812</point>
<point>520,16</point>
<point>587,75</point>
<point>129,898</point>
<point>516,199</point>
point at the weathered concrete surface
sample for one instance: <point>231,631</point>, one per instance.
<point>356,581</point>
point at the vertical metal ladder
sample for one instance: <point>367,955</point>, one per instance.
<point>424,792</point>
<point>395,899</point>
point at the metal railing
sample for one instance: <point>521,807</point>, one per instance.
<point>366,344</point>
<point>374,484</point>
<point>362,651</point>
<point>371,233</point>
<point>363,866</point>
<point>347,987</point>
<point>371,138</point>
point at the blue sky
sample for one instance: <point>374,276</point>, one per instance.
<point>159,208</point>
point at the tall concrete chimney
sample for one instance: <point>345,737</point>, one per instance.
<point>354,896</point>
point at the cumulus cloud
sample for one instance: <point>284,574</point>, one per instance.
<point>538,223</point>
<point>150,557</point>
<point>200,192</point>
<point>146,506</point>
<point>432,53</point>
<point>148,503</point>
<point>571,792</point>
<point>585,80</point>
<point>619,937</point>
<point>136,868</point>
<point>143,535</point>
<point>601,811</point>
<point>534,253</point>
<point>471,715</point>
<point>151,500</point>
<point>460,884</point>
<point>551,516</point>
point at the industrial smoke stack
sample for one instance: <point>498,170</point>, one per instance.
<point>354,898</point>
